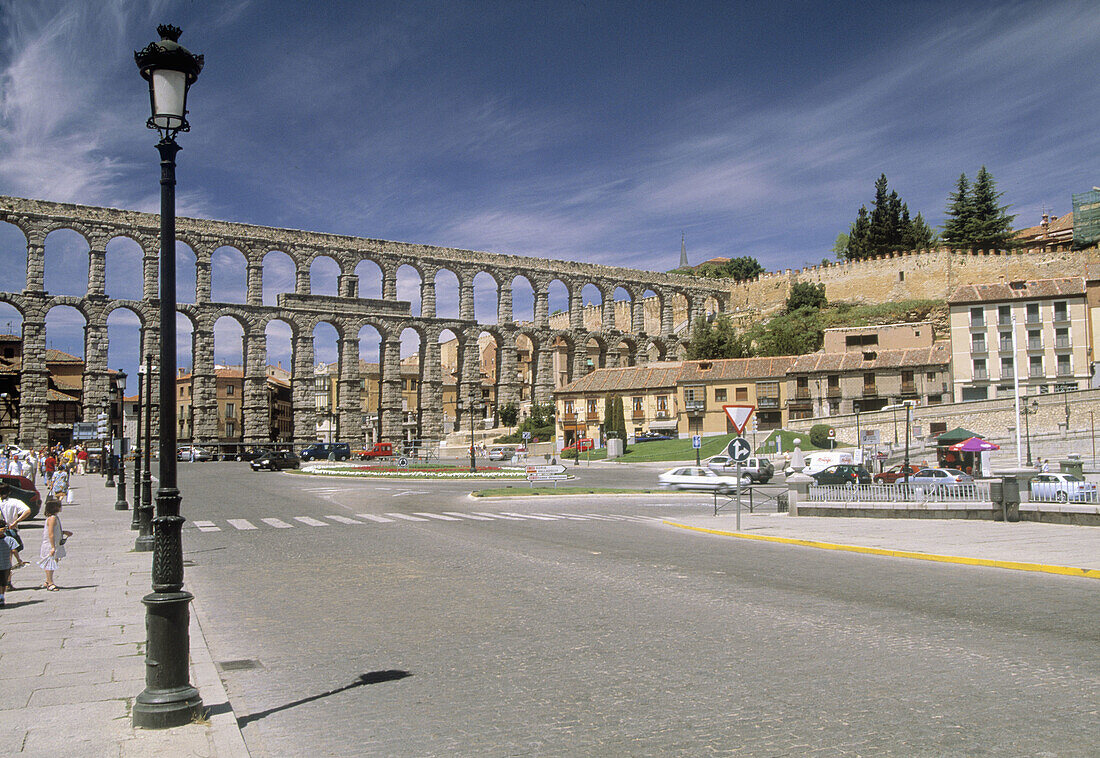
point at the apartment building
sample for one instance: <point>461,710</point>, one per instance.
<point>1035,333</point>
<point>704,387</point>
<point>650,401</point>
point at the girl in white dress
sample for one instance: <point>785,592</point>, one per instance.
<point>53,543</point>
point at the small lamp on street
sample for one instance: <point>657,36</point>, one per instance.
<point>144,541</point>
<point>1027,410</point>
<point>120,503</point>
<point>168,698</point>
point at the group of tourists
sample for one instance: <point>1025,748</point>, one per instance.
<point>53,465</point>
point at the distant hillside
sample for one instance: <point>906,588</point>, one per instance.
<point>902,312</point>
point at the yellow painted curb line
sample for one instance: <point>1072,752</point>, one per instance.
<point>1015,565</point>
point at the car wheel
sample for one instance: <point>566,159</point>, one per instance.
<point>1061,497</point>
<point>724,490</point>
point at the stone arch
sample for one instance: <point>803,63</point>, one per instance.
<point>447,286</point>
<point>13,251</point>
<point>410,286</point>
<point>66,260</point>
<point>324,275</point>
<point>623,353</point>
<point>369,274</point>
<point>563,346</point>
<point>228,275</point>
<point>522,303</point>
<point>486,297</point>
<point>123,269</point>
<point>187,273</point>
<point>651,304</point>
<point>654,350</point>
<point>280,276</point>
<point>623,303</point>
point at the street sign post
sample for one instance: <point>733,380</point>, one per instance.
<point>697,443</point>
<point>554,472</point>
<point>526,436</point>
<point>739,450</point>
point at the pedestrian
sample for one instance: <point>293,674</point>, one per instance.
<point>53,542</point>
<point>81,460</point>
<point>1044,465</point>
<point>26,467</point>
<point>7,550</point>
<point>49,466</point>
<point>59,485</point>
<point>15,467</point>
<point>13,511</point>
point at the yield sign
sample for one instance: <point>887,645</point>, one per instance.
<point>739,416</point>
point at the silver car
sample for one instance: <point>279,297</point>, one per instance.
<point>697,478</point>
<point>1062,488</point>
<point>939,478</point>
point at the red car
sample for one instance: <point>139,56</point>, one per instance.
<point>23,489</point>
<point>894,473</point>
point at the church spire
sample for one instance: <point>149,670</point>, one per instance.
<point>683,253</point>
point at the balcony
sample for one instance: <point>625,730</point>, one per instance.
<point>695,406</point>
<point>908,388</point>
<point>569,418</point>
<point>870,390</point>
<point>832,392</point>
<point>662,413</point>
<point>1061,317</point>
<point>592,416</point>
<point>978,347</point>
<point>1032,318</point>
<point>1063,344</point>
<point>767,402</point>
<point>1034,345</point>
<point>977,323</point>
<point>1008,373</point>
<point>980,375</point>
<point>1005,346</point>
<point>1064,371</point>
<point>638,414</point>
<point>802,393</point>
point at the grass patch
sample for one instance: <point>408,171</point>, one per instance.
<point>527,491</point>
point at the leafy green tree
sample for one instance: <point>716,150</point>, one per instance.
<point>740,269</point>
<point>992,225</point>
<point>717,340</point>
<point>819,435</point>
<point>805,294</point>
<point>888,227</point>
<point>840,247</point>
<point>796,332</point>
<point>508,412</point>
<point>958,227</point>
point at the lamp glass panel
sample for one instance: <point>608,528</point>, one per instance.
<point>169,94</point>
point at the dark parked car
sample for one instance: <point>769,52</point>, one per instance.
<point>322,451</point>
<point>23,489</point>
<point>275,460</point>
<point>843,473</point>
<point>252,453</point>
<point>650,437</point>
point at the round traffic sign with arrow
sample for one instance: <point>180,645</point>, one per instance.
<point>739,449</point>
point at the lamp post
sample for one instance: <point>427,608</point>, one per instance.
<point>907,405</point>
<point>135,523</point>
<point>168,698</point>
<point>108,449</point>
<point>120,503</point>
<point>859,440</point>
<point>472,406</point>
<point>1026,411</point>
<point>144,541</point>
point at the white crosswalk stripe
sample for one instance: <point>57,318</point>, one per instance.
<point>422,517</point>
<point>438,516</point>
<point>343,520</point>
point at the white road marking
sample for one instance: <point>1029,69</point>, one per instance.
<point>530,516</point>
<point>439,516</point>
<point>240,523</point>
<point>468,515</point>
<point>308,521</point>
<point>409,492</point>
<point>206,526</point>
<point>278,523</point>
<point>570,516</point>
<point>498,515</point>
<point>406,517</point>
<point>343,520</point>
<point>377,519</point>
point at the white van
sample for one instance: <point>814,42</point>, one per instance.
<point>822,459</point>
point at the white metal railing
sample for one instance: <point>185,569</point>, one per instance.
<point>970,492</point>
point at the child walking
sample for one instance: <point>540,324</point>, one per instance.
<point>53,542</point>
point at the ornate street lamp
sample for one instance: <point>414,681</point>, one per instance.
<point>135,523</point>
<point>168,699</point>
<point>1027,411</point>
<point>121,504</point>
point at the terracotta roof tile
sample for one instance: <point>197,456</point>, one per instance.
<point>939,354</point>
<point>1031,290</point>
<point>623,379</point>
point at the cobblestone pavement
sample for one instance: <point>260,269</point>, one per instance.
<point>602,637</point>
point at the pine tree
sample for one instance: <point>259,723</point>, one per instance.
<point>958,229</point>
<point>859,243</point>
<point>992,226</point>
<point>886,228</point>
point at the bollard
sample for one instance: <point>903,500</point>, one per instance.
<point>1011,499</point>
<point>997,495</point>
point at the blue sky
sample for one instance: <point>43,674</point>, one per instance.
<point>584,131</point>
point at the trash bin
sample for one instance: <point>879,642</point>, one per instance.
<point>1073,466</point>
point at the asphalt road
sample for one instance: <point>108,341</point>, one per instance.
<point>494,633</point>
